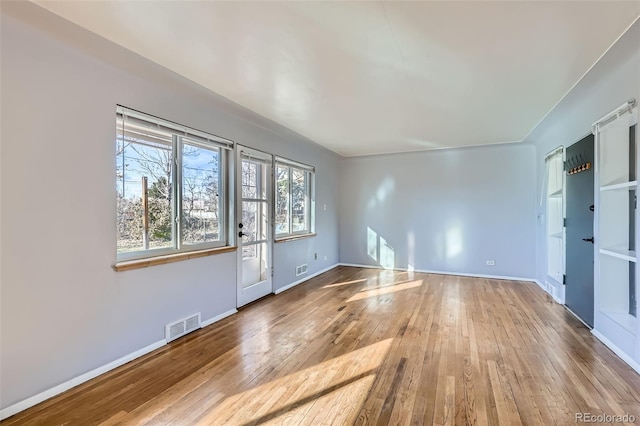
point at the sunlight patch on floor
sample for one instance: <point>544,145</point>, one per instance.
<point>345,283</point>
<point>385,290</point>
<point>345,380</point>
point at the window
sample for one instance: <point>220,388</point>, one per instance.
<point>171,187</point>
<point>294,198</point>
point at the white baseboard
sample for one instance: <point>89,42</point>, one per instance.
<point>616,350</point>
<point>49,393</point>
<point>459,274</point>
<point>357,265</point>
<point>542,286</point>
<point>217,318</point>
<point>578,318</point>
<point>561,294</point>
<point>287,287</point>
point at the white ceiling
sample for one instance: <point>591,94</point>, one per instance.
<point>374,77</point>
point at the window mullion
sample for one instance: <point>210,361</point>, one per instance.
<point>222,191</point>
<point>290,199</point>
<point>307,202</point>
<point>177,192</point>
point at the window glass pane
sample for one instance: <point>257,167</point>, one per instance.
<point>298,200</point>
<point>282,199</point>
<point>143,161</point>
<point>200,194</point>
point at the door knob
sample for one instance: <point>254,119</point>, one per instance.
<point>589,240</point>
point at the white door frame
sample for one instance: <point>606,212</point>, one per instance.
<point>265,287</point>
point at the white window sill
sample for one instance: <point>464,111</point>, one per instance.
<point>294,237</point>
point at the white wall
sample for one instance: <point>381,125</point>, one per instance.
<point>611,82</point>
<point>449,210</point>
<point>64,311</point>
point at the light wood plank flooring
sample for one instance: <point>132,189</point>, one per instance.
<point>363,346</point>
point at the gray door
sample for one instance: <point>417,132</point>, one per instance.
<point>579,271</point>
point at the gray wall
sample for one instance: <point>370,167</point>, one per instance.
<point>64,311</point>
<point>611,82</point>
<point>449,210</point>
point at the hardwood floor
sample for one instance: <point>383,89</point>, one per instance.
<point>362,346</point>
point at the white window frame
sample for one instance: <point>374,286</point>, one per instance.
<point>181,135</point>
<point>309,197</point>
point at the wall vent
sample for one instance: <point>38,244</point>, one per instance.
<point>550,288</point>
<point>181,327</point>
<point>554,291</point>
<point>300,270</point>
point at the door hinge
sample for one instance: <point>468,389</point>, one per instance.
<point>564,222</point>
<point>565,167</point>
<point>272,272</point>
<point>564,278</point>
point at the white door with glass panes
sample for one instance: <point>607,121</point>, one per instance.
<point>253,225</point>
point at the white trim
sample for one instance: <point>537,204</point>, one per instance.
<point>358,265</point>
<point>293,284</point>
<point>554,152</point>
<point>460,274</point>
<point>616,350</point>
<point>557,295</point>
<point>183,130</point>
<point>542,286</point>
<point>625,185</point>
<point>628,255</point>
<point>292,163</point>
<point>218,318</point>
<point>614,115</point>
<point>578,318</point>
<point>56,390</point>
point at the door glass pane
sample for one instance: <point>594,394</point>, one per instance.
<point>254,267</point>
<point>250,216</point>
<point>200,194</point>
<point>282,200</point>
<point>143,163</point>
<point>249,179</point>
<point>254,221</point>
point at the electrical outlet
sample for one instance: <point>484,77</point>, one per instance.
<point>491,263</point>
<point>325,207</point>
<point>315,256</point>
<point>325,258</point>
